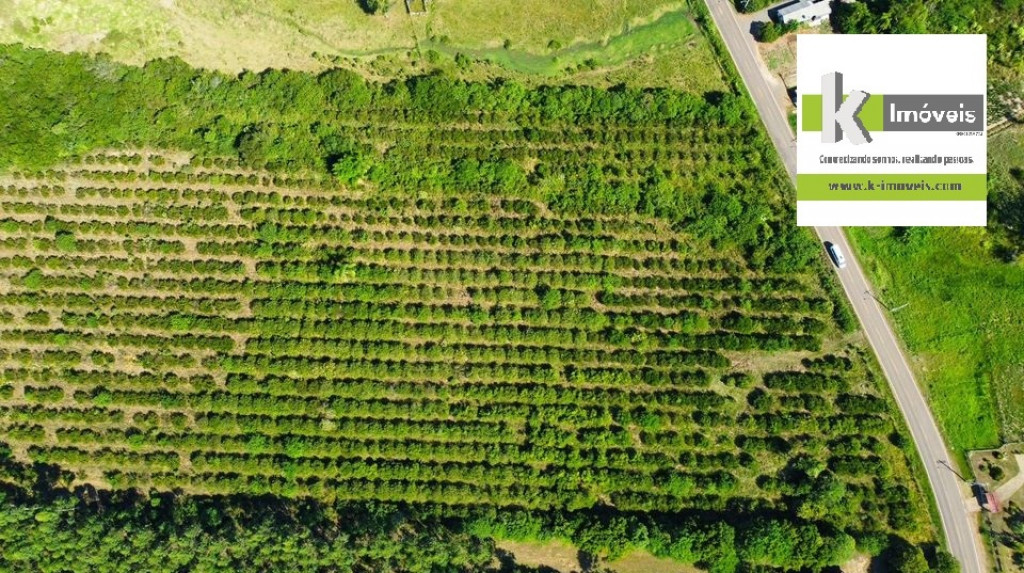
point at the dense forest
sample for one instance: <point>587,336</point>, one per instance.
<point>52,529</point>
<point>1001,20</point>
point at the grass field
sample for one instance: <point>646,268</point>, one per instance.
<point>645,42</point>
<point>963,320</point>
<point>564,558</point>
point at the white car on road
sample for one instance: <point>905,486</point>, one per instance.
<point>837,255</point>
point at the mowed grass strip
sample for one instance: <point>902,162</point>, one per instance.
<point>667,30</point>
<point>958,322</point>
<point>648,42</point>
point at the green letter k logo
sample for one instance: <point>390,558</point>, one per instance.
<point>838,116</point>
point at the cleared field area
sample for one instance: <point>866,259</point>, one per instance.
<point>963,317</point>
<point>649,42</point>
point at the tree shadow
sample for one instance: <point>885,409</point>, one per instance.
<point>588,561</point>
<point>756,27</point>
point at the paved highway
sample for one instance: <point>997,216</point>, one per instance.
<point>960,525</point>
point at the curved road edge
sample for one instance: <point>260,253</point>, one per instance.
<point>959,525</point>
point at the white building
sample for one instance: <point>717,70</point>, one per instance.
<point>812,12</point>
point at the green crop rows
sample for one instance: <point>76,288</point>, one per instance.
<point>216,330</point>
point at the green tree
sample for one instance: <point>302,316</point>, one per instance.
<point>65,241</point>
<point>375,6</point>
<point>945,563</point>
<point>769,32</point>
<point>33,279</point>
<point>905,557</point>
<point>350,167</point>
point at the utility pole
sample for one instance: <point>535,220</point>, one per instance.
<point>950,468</point>
<point>885,306</point>
<point>878,300</point>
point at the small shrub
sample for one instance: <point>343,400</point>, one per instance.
<point>996,472</point>
<point>65,241</point>
<point>770,31</point>
<point>33,279</point>
<point>375,6</point>
<point>37,318</point>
